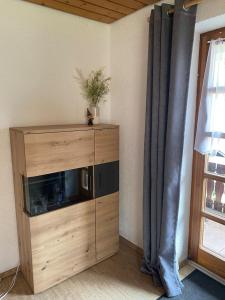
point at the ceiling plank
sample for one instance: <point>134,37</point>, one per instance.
<point>148,2</point>
<point>113,6</point>
<point>73,10</point>
<point>106,11</point>
<point>93,8</point>
<point>129,3</point>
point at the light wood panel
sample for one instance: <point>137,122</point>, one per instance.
<point>23,226</point>
<point>107,225</point>
<point>106,11</point>
<point>61,128</point>
<point>54,152</point>
<point>63,243</point>
<point>106,145</point>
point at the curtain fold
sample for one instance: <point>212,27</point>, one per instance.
<point>170,49</point>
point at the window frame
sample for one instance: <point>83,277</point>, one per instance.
<point>199,174</point>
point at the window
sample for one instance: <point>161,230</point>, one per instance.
<point>207,221</point>
<point>210,135</point>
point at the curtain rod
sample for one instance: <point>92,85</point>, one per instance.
<point>187,4</point>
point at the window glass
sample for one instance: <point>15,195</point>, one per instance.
<point>213,238</point>
<point>215,197</point>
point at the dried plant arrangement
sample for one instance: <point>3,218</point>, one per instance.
<point>95,87</point>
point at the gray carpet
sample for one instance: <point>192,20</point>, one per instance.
<point>198,286</point>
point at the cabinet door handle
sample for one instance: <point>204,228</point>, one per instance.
<point>90,182</point>
<point>100,180</point>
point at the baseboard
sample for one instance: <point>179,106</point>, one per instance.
<point>131,245</point>
<point>8,273</point>
<point>183,263</point>
<point>140,251</point>
<point>207,272</point>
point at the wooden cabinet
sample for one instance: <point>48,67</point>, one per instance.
<point>62,243</point>
<point>107,225</point>
<point>58,244</point>
<point>106,145</point>
<point>58,151</point>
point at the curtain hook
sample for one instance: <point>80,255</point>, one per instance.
<point>170,11</point>
<point>185,8</point>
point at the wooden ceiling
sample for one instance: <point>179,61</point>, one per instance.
<point>106,11</point>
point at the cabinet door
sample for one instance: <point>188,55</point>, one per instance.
<point>106,145</point>
<point>107,225</point>
<point>106,179</point>
<point>53,152</point>
<point>63,244</point>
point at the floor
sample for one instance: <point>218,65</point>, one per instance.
<point>118,277</point>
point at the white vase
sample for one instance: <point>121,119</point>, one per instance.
<point>95,111</point>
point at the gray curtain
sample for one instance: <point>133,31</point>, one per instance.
<point>170,49</point>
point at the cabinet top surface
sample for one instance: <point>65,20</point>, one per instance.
<point>60,128</point>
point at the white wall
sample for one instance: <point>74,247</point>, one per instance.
<point>39,50</point>
<point>129,54</point>
<point>129,42</point>
<point>128,66</point>
<point>210,9</point>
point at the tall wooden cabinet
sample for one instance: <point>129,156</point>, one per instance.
<point>59,243</point>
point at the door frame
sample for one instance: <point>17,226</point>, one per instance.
<point>198,255</point>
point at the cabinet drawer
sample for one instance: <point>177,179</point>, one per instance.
<point>107,225</point>
<point>106,145</point>
<point>53,152</point>
<point>63,244</point>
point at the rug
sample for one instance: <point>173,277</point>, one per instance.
<point>198,286</point>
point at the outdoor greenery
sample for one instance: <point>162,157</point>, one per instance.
<point>95,87</point>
